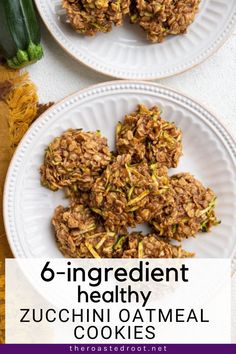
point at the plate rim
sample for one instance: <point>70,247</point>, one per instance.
<point>126,75</point>
<point>109,86</point>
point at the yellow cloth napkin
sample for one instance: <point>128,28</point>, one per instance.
<point>19,107</point>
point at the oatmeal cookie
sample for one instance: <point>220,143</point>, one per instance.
<point>92,16</point>
<point>160,18</point>
<point>150,246</point>
<point>123,193</point>
<point>76,157</point>
<point>189,209</point>
<point>145,135</point>
<point>80,234</point>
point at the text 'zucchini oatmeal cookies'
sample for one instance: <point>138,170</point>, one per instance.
<point>80,234</point>
<point>160,18</point>
<point>76,157</point>
<point>145,135</point>
<point>189,209</point>
<point>150,246</point>
<point>89,17</point>
<point>123,193</point>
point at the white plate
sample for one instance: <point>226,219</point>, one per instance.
<point>125,53</point>
<point>209,153</point>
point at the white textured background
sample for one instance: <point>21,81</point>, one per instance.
<point>212,83</point>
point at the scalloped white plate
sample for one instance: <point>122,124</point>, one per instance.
<point>209,153</point>
<point>125,53</point>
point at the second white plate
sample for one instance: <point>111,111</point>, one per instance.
<point>125,53</point>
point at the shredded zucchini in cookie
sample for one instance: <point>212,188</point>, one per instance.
<point>80,233</point>
<point>130,195</point>
<point>189,208</point>
<point>163,17</point>
<point>74,160</point>
<point>145,135</point>
<point>150,246</point>
<point>89,17</point>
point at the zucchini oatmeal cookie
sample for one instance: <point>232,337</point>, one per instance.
<point>76,157</point>
<point>80,233</point>
<point>144,134</point>
<point>123,193</point>
<point>189,209</point>
<point>160,18</point>
<point>92,16</point>
<point>150,246</point>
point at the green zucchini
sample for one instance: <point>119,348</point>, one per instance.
<point>19,33</point>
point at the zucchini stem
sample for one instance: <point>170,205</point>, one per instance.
<point>22,58</point>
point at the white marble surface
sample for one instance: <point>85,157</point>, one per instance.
<point>212,83</point>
